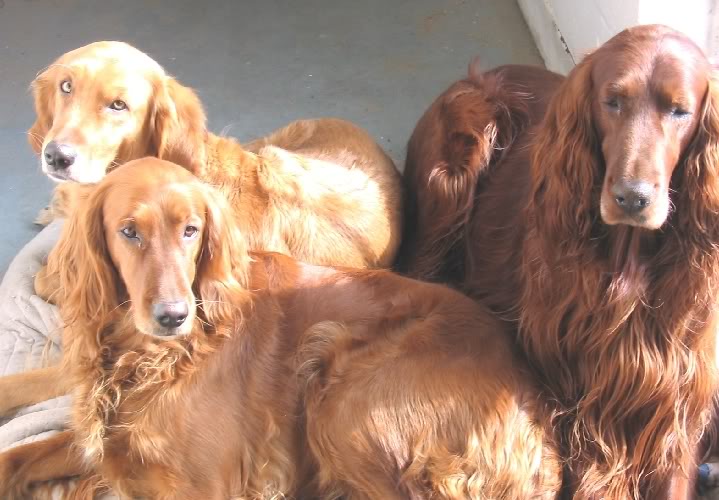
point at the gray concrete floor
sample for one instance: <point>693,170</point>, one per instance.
<point>256,65</point>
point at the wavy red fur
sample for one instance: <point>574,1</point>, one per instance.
<point>283,379</point>
<point>617,317</point>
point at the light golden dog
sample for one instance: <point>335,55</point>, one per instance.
<point>320,190</point>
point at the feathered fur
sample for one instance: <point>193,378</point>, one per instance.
<point>618,320</point>
<point>321,190</point>
<point>293,381</point>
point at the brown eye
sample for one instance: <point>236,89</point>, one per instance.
<point>678,112</point>
<point>129,233</point>
<point>613,103</point>
<point>118,105</point>
<point>190,232</point>
<point>66,86</point>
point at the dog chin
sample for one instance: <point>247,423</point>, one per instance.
<point>54,176</point>
<point>168,333</point>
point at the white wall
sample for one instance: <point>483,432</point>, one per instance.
<point>565,30</point>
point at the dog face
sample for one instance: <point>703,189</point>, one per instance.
<point>153,226</point>
<point>107,103</point>
<point>647,107</point>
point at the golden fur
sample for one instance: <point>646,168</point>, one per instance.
<point>320,190</point>
<point>293,379</point>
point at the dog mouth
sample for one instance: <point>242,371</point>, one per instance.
<point>80,172</point>
<point>163,333</point>
<point>169,333</point>
<point>153,328</point>
<point>150,328</point>
<point>59,177</point>
<point>651,219</point>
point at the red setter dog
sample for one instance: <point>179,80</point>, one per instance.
<point>586,209</point>
<point>203,371</point>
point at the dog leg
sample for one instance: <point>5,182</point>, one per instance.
<point>52,458</point>
<point>34,386</point>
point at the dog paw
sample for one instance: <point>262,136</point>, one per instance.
<point>44,217</point>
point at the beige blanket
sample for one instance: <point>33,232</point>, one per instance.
<point>29,338</point>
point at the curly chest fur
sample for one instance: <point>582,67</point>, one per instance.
<point>142,419</point>
<point>131,424</point>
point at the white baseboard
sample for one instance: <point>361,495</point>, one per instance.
<point>540,19</point>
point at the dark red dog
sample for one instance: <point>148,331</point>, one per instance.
<point>587,210</point>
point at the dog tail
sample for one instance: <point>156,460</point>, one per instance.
<point>323,347</point>
<point>476,120</point>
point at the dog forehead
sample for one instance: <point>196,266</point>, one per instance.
<point>631,60</point>
<point>664,76</point>
<point>173,201</point>
<point>100,55</point>
<point>179,201</point>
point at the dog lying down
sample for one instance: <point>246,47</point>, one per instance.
<point>201,370</point>
<point>320,190</point>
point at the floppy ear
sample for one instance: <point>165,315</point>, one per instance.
<point>180,129</point>
<point>82,263</point>
<point>223,264</point>
<point>698,193</point>
<point>567,162</point>
<point>43,93</point>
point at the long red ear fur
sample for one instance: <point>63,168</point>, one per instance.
<point>81,261</point>
<point>180,126</point>
<point>224,261</point>
<point>699,192</point>
<point>44,97</point>
<point>565,163</point>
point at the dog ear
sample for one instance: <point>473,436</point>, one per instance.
<point>223,265</point>
<point>569,152</point>
<point>43,93</point>
<point>81,261</point>
<point>180,131</point>
<point>698,193</point>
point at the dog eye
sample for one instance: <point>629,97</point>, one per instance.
<point>66,86</point>
<point>118,105</point>
<point>613,103</point>
<point>190,231</point>
<point>129,233</point>
<point>678,112</point>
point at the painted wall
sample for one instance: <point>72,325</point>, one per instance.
<point>565,30</point>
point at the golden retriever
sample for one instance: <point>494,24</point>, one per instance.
<point>201,370</point>
<point>320,190</point>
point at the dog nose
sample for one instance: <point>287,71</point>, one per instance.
<point>633,196</point>
<point>59,156</point>
<point>170,314</point>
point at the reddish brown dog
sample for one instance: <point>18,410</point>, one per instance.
<point>203,371</point>
<point>320,190</point>
<point>586,210</point>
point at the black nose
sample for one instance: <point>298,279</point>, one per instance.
<point>170,314</point>
<point>59,156</point>
<point>633,196</point>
